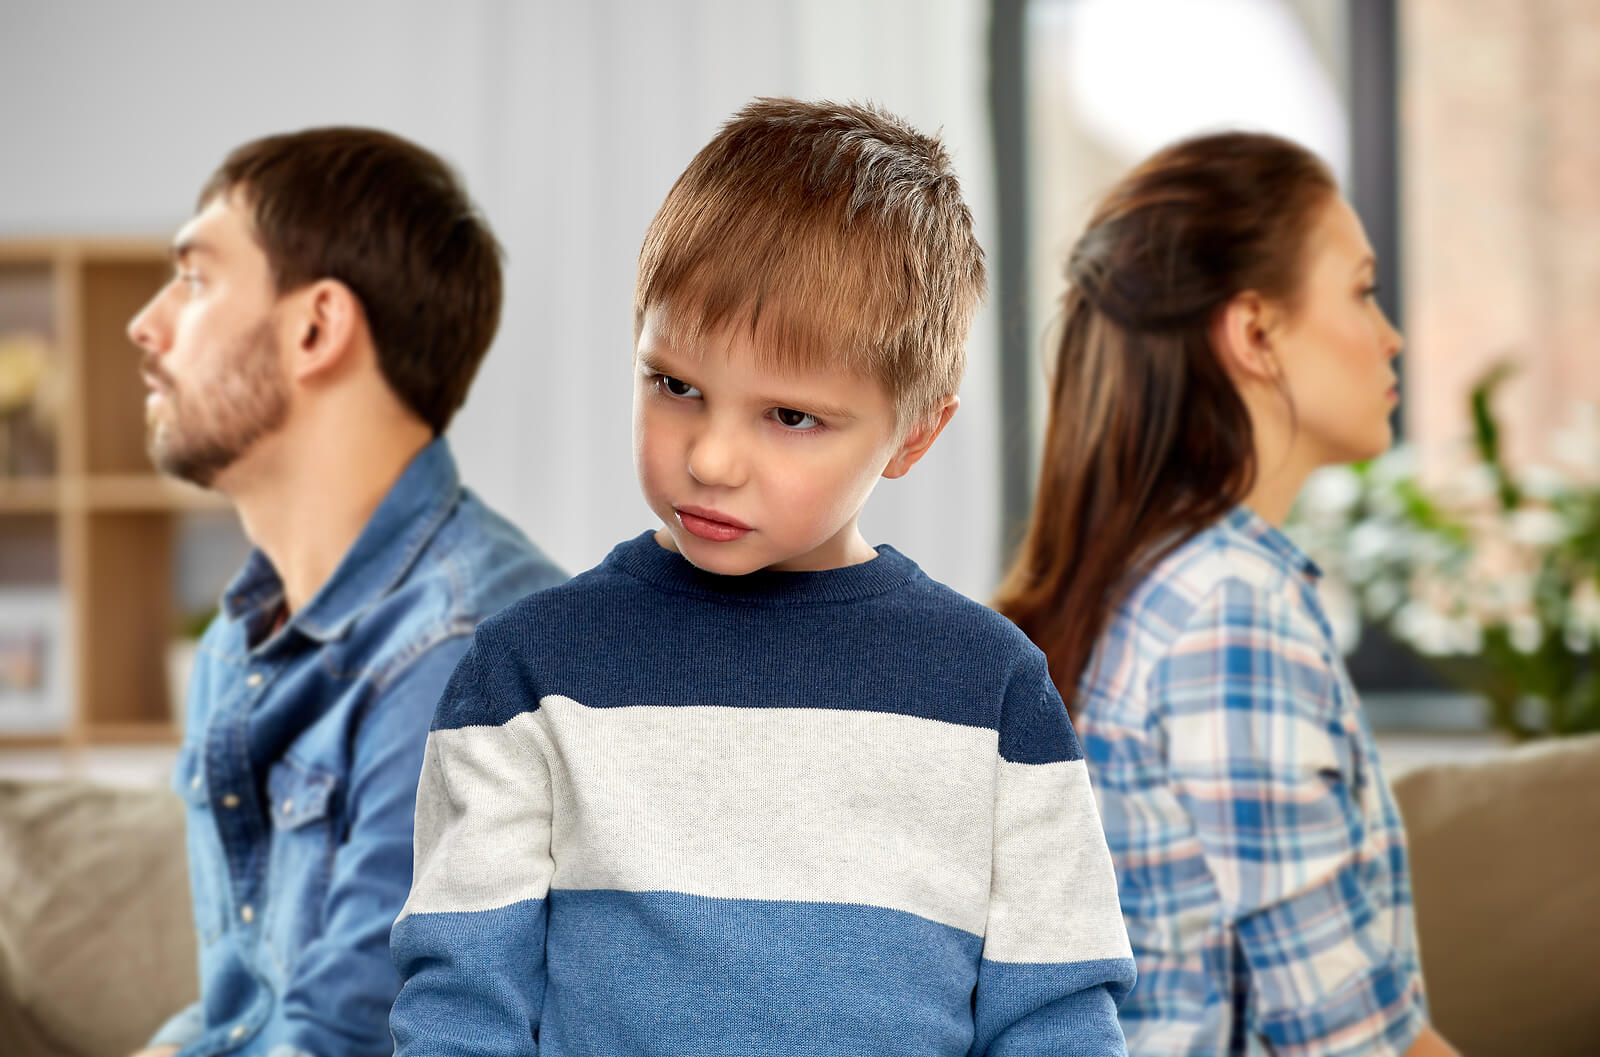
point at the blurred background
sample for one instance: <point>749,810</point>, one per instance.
<point>1463,130</point>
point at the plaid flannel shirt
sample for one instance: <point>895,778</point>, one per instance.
<point>1260,857</point>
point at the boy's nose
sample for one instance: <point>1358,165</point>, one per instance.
<point>715,458</point>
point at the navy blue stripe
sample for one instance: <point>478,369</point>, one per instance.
<point>611,639</point>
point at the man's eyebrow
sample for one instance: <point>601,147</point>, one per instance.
<point>189,247</point>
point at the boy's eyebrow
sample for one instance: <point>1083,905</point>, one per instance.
<point>812,407</point>
<point>657,365</point>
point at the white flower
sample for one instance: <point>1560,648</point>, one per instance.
<point>1371,540</point>
<point>1585,607</point>
<point>1331,490</point>
<point>1542,482</point>
<point>1467,635</point>
<point>1426,629</point>
<point>1397,464</point>
<point>1578,445</point>
<point>1576,636</point>
<point>1474,484</point>
<point>1381,597</point>
<point>1525,633</point>
<point>1536,527</point>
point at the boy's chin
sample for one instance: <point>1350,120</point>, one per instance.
<point>721,559</point>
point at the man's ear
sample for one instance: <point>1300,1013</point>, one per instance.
<point>921,437</point>
<point>326,323</point>
<point>1243,334</point>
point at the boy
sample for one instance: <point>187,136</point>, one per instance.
<point>750,785</point>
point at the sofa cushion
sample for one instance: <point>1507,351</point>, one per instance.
<point>97,941</point>
<point>1506,860</point>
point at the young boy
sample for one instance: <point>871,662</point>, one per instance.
<point>751,786</point>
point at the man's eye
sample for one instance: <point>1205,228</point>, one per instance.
<point>677,387</point>
<point>796,420</point>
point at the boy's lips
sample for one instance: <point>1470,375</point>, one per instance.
<point>710,524</point>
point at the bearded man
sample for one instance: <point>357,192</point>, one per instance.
<point>330,302</point>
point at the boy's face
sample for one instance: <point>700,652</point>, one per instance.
<point>752,469</point>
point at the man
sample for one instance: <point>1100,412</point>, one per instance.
<point>331,301</point>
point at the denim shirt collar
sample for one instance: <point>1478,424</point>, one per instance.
<point>1255,528</point>
<point>404,522</point>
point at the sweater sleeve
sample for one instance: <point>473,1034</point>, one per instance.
<point>1056,959</point>
<point>469,944</point>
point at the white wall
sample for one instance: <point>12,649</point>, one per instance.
<point>569,122</point>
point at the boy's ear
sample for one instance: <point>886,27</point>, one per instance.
<point>326,322</point>
<point>921,437</point>
<point>1242,336</point>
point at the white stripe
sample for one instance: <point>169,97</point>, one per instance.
<point>814,805</point>
<point>483,821</point>
<point>810,805</point>
<point>1055,891</point>
<point>817,805</point>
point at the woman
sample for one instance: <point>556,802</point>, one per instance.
<point>1220,342</point>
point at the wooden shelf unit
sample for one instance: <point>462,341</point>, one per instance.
<point>108,521</point>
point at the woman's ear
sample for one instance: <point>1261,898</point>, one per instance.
<point>326,323</point>
<point>921,437</point>
<point>1243,334</point>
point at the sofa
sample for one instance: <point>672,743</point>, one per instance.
<point>96,949</point>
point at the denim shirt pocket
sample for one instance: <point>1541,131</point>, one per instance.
<point>301,803</point>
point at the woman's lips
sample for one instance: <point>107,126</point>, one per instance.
<point>710,525</point>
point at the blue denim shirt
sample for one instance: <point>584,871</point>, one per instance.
<point>300,767</point>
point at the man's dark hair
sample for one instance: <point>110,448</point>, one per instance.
<point>392,222</point>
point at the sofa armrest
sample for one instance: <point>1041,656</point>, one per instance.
<point>97,940</point>
<point>1506,864</point>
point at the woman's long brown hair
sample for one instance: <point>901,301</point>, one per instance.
<point>1148,441</point>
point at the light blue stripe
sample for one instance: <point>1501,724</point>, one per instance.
<point>1068,1008</point>
<point>661,973</point>
<point>474,981</point>
<point>670,974</point>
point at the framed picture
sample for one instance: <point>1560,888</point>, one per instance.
<point>34,661</point>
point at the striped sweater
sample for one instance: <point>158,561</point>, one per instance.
<point>837,812</point>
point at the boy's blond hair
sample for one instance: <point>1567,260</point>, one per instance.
<point>836,233</point>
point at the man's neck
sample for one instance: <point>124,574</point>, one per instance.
<point>305,503</point>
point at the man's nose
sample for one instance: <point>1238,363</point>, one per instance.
<point>150,328</point>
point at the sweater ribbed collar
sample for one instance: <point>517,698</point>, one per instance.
<point>644,559</point>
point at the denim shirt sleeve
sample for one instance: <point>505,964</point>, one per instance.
<point>182,1028</point>
<point>338,999</point>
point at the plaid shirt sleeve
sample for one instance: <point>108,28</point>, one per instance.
<point>1262,757</point>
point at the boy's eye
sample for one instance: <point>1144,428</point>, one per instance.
<point>795,420</point>
<point>677,387</point>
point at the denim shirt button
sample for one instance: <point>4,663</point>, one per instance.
<point>247,913</point>
<point>230,801</point>
<point>238,1032</point>
<point>254,680</point>
<point>194,783</point>
<point>288,806</point>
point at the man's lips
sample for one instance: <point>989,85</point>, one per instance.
<point>710,524</point>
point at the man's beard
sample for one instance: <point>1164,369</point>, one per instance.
<point>237,405</point>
